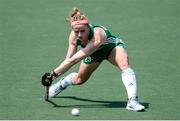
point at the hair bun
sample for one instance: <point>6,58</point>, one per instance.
<point>75,14</point>
<point>75,11</point>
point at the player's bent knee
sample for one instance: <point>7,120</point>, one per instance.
<point>123,64</point>
<point>79,81</point>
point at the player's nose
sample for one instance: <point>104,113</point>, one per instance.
<point>79,35</point>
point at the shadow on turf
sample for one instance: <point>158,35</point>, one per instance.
<point>94,103</point>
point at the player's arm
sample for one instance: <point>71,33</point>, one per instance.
<point>72,49</point>
<point>47,78</point>
<point>92,46</point>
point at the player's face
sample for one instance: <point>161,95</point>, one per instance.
<point>81,31</point>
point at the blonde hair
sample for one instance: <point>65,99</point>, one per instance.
<point>75,15</point>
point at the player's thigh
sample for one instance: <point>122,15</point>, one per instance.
<point>85,71</point>
<point>119,57</point>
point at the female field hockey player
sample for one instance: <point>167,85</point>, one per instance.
<point>98,44</point>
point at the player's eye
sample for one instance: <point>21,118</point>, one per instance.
<point>76,32</point>
<point>82,31</point>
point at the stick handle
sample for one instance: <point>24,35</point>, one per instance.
<point>46,93</point>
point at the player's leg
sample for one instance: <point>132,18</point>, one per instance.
<point>85,72</point>
<point>119,58</point>
<point>82,76</point>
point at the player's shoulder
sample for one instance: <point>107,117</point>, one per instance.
<point>98,31</point>
<point>72,38</point>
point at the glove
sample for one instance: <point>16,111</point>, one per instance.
<point>47,78</point>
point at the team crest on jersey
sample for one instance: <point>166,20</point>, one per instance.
<point>88,59</point>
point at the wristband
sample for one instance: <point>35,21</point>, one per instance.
<point>54,74</point>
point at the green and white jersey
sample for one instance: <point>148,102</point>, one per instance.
<point>105,48</point>
<point>110,37</point>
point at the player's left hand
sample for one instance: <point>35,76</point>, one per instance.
<point>47,79</point>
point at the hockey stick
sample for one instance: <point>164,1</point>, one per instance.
<point>46,96</point>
